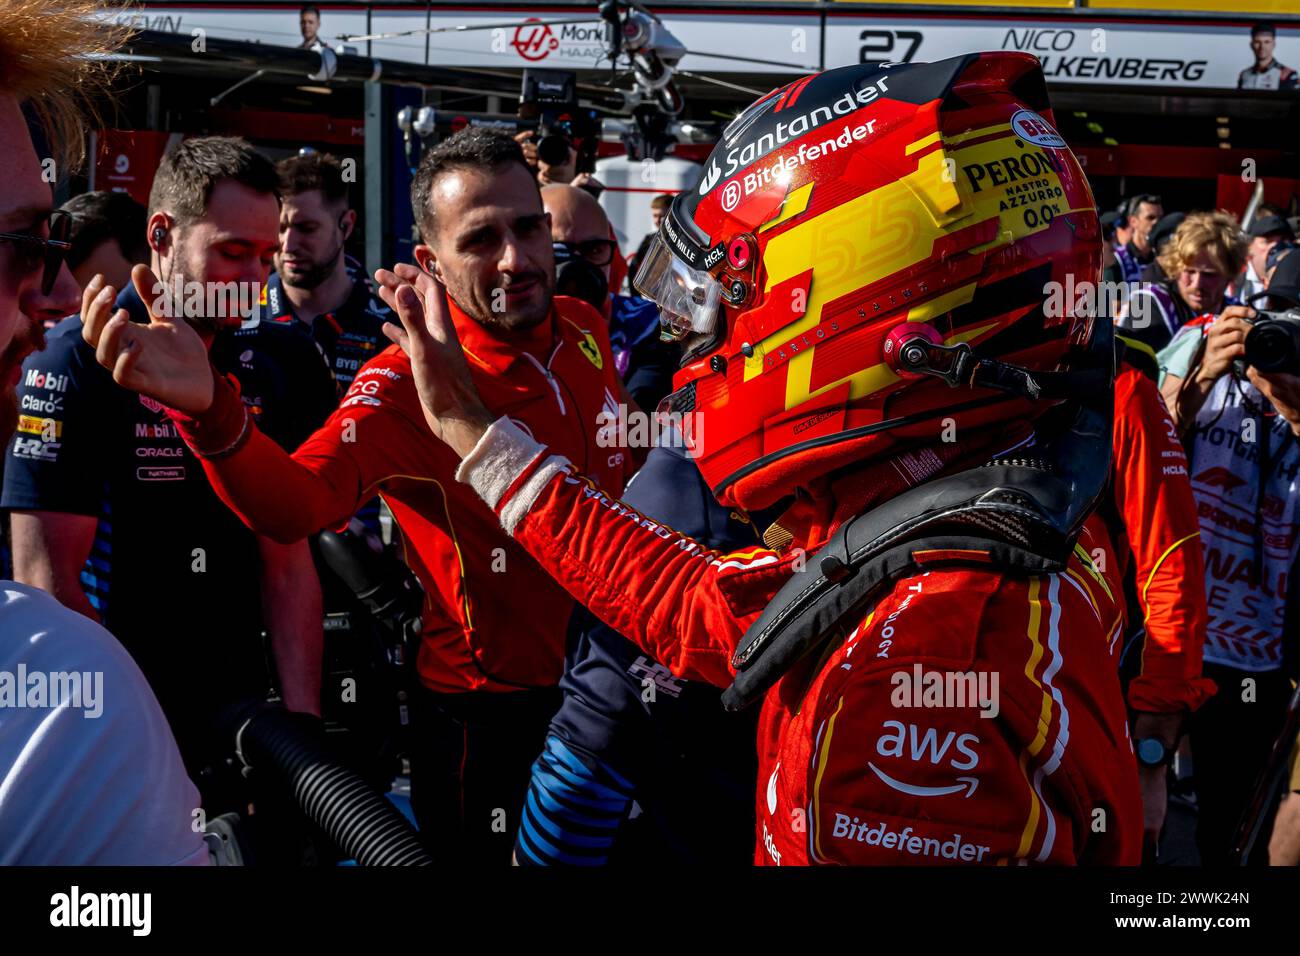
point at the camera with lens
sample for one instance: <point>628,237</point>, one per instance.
<point>1273,342</point>
<point>553,143</point>
<point>549,98</point>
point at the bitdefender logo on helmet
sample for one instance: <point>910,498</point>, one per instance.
<point>751,152</point>
<point>731,196</point>
<point>763,176</point>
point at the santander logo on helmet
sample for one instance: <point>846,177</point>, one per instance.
<point>710,178</point>
<point>784,128</point>
<point>842,186</point>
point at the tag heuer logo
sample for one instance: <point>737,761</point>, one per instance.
<point>711,177</point>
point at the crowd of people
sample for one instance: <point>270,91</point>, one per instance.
<point>175,456</point>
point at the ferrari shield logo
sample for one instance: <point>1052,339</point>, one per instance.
<point>591,349</point>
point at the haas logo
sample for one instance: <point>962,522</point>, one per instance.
<point>711,177</point>
<point>534,40</point>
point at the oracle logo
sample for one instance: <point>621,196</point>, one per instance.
<point>534,40</point>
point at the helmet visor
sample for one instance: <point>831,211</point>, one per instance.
<point>687,298</point>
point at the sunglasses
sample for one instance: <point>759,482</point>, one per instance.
<point>46,252</point>
<point>599,252</point>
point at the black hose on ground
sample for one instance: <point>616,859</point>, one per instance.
<point>365,825</point>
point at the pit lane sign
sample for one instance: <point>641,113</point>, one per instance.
<point>1072,49</point>
<point>503,37</point>
<point>578,43</point>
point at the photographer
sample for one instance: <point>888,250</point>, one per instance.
<point>1240,430</point>
<point>554,158</point>
<point>1204,253</point>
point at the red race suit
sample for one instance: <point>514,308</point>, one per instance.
<point>1161,539</point>
<point>493,619</point>
<point>857,764</point>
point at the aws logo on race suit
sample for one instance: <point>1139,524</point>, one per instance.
<point>928,746</point>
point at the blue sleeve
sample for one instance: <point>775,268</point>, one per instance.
<point>623,714</point>
<point>55,460</point>
<point>573,811</point>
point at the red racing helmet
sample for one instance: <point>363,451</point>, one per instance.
<point>867,265</point>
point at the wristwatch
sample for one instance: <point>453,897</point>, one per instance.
<point>1152,752</point>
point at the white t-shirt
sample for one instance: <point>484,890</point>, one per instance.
<point>1246,605</point>
<point>89,770</point>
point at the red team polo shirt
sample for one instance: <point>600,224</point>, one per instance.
<point>493,620</point>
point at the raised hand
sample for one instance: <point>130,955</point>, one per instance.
<point>452,407</point>
<point>165,359</point>
<point>1225,342</point>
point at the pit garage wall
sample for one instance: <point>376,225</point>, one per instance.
<point>1148,54</point>
<point>1183,54</point>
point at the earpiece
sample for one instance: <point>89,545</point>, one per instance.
<point>159,234</point>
